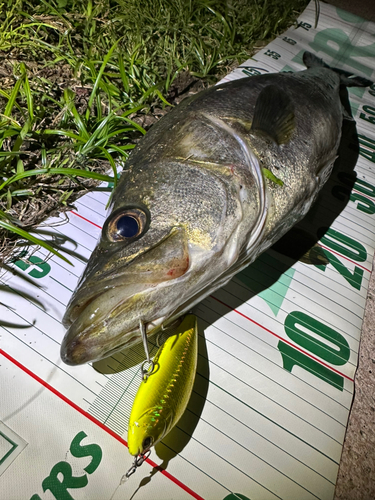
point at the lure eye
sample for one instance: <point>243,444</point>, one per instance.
<point>147,443</point>
<point>126,224</point>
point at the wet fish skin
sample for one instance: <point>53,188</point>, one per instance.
<point>208,210</point>
<point>163,397</point>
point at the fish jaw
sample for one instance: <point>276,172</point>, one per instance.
<point>98,332</point>
<point>104,313</point>
<point>167,259</point>
<point>110,323</point>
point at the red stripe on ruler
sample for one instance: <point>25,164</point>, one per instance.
<point>84,218</point>
<point>97,422</point>
<point>369,197</point>
<point>282,339</point>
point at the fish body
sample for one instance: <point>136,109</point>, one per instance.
<point>163,395</point>
<point>211,186</point>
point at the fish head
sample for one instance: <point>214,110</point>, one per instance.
<point>172,229</point>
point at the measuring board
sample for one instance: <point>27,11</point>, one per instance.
<point>278,346</point>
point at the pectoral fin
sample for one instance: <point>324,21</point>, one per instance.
<point>315,256</point>
<point>274,115</point>
<point>302,246</point>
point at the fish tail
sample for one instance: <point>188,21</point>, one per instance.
<point>347,78</point>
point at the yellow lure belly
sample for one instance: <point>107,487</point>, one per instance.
<point>163,396</point>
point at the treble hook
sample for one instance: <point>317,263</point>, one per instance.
<point>138,461</point>
<point>146,372</point>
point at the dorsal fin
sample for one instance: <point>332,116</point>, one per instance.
<point>312,61</point>
<point>274,114</point>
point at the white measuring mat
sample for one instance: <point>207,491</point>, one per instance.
<point>278,346</point>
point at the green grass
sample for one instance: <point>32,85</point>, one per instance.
<point>80,72</point>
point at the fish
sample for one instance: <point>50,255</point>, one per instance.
<point>164,393</point>
<point>212,185</point>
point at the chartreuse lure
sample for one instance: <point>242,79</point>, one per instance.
<point>165,392</point>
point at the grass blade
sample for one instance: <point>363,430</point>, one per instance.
<point>27,236</point>
<point>61,171</point>
<point>27,90</point>
<point>124,78</point>
<point>113,165</point>
<point>13,97</point>
<point>66,133</point>
<point>98,78</point>
<point>69,99</point>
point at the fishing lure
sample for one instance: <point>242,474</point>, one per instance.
<point>164,391</point>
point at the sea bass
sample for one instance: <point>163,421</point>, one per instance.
<point>211,186</point>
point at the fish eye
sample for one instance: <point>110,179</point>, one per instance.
<point>147,443</point>
<point>127,226</point>
<point>126,223</point>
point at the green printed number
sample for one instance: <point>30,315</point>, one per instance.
<point>289,40</point>
<point>353,278</point>
<point>365,188</point>
<point>369,114</point>
<point>372,89</point>
<point>292,357</point>
<point>111,185</point>
<point>367,148</point>
<point>273,54</point>
<point>344,244</point>
<point>305,331</point>
<point>348,247</point>
<point>297,324</point>
<point>364,204</point>
<point>40,268</point>
<point>236,496</point>
<point>251,71</point>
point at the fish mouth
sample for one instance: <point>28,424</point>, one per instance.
<point>103,315</point>
<point>81,349</point>
<point>109,323</point>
